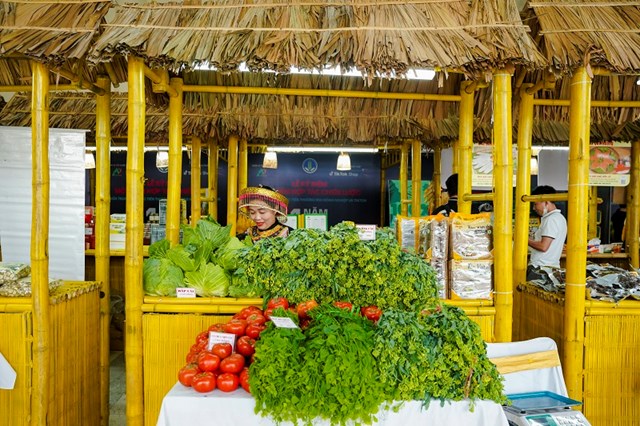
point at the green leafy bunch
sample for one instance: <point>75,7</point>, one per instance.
<point>336,265</point>
<point>438,353</point>
<point>331,374</point>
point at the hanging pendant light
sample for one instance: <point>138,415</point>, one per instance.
<point>162,160</point>
<point>89,161</point>
<point>270,160</point>
<point>344,162</point>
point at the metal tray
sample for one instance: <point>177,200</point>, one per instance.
<point>540,401</point>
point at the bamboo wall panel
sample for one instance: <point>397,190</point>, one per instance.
<point>612,369</point>
<point>486,323</point>
<point>167,339</point>
<point>15,345</point>
<point>75,350</point>
<point>537,314</point>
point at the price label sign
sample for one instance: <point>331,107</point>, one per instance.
<point>283,322</point>
<point>185,293</point>
<point>367,232</point>
<point>216,337</point>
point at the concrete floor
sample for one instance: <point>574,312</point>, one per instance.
<point>117,387</point>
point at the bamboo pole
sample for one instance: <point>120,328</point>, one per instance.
<point>212,175</point>
<point>503,204</point>
<point>102,256</point>
<point>134,239</point>
<point>243,164</point>
<point>416,177</point>
<point>633,208</point>
<point>174,180</point>
<point>39,243</point>
<point>404,166</point>
<point>437,177</point>
<point>592,225</point>
<point>523,185</point>
<point>574,308</point>
<point>595,104</point>
<point>465,146</point>
<point>244,90</point>
<point>232,183</point>
<point>383,194</point>
<point>455,157</point>
<point>196,172</point>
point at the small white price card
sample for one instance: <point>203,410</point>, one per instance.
<point>216,337</point>
<point>367,232</point>
<point>185,293</point>
<point>283,322</point>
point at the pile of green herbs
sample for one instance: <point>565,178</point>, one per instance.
<point>336,265</point>
<point>343,368</point>
<point>205,261</point>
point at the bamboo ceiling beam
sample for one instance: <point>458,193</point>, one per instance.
<point>599,104</point>
<point>242,90</point>
<point>74,78</point>
<point>59,87</point>
<point>160,81</point>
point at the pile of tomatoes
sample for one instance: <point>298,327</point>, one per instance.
<point>226,367</point>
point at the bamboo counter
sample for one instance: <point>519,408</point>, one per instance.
<point>75,356</point>
<point>170,326</point>
<point>611,362</point>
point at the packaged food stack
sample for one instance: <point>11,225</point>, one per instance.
<point>407,232</point>
<point>117,231</point>
<point>471,264</point>
<point>89,228</point>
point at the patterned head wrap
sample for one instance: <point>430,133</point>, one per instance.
<point>263,197</point>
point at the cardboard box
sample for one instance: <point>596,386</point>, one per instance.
<point>118,218</point>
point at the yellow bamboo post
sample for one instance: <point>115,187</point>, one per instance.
<point>579,122</point>
<point>195,180</point>
<point>592,226</point>
<point>404,166</point>
<point>212,175</point>
<point>232,183</point>
<point>134,238</point>
<point>40,243</point>
<point>102,256</point>
<point>174,179</point>
<point>465,145</point>
<point>437,177</point>
<point>503,204</point>
<point>243,164</point>
<point>383,194</point>
<point>523,185</point>
<point>632,226</point>
<point>455,157</point>
<point>416,177</point>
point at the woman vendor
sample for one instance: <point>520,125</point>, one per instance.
<point>267,208</point>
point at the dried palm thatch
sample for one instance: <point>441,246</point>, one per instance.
<point>372,36</point>
<point>51,31</point>
<point>572,33</point>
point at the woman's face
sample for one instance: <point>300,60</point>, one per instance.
<point>263,217</point>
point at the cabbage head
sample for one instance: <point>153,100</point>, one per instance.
<point>208,281</point>
<point>160,277</point>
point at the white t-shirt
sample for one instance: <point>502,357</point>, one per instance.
<point>552,225</point>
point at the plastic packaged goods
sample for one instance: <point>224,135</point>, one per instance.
<point>439,226</point>
<point>424,236</point>
<point>407,233</point>
<point>471,279</point>
<point>471,236</point>
<point>11,272</point>
<point>440,266</point>
<point>22,287</point>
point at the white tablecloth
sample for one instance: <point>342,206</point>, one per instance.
<point>184,406</point>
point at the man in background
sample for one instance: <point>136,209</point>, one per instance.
<point>547,244</point>
<point>451,189</point>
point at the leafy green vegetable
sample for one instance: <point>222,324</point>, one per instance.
<point>182,258</point>
<point>337,265</point>
<point>158,250</point>
<point>161,277</point>
<point>208,281</point>
<point>229,255</point>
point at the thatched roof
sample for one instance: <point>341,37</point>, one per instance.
<point>573,33</point>
<point>385,37</point>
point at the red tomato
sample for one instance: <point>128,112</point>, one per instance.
<point>268,312</point>
<point>343,305</point>
<point>236,327</point>
<point>234,363</point>
<point>249,310</point>
<point>187,373</point>
<point>218,328</point>
<point>202,338</point>
<point>305,307</point>
<point>207,361</point>
<point>253,330</point>
<point>372,313</point>
<point>244,379</point>
<point>278,302</point>
<point>204,382</point>
<point>256,318</point>
<point>192,357</point>
<point>222,350</point>
<point>246,346</point>
<point>228,382</point>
